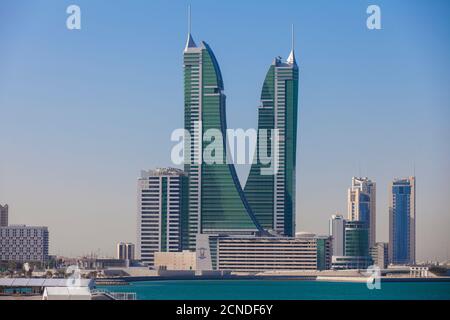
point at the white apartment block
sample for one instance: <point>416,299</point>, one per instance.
<point>159,212</point>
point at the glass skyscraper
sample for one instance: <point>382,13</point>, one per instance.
<point>272,195</point>
<point>217,203</point>
<point>402,221</point>
<point>362,204</point>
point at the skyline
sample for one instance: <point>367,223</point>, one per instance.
<point>96,156</point>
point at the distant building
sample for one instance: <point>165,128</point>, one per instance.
<point>161,201</point>
<point>362,204</point>
<point>125,251</point>
<point>185,260</point>
<point>258,254</point>
<point>356,247</point>
<point>402,221</point>
<point>337,233</point>
<point>379,254</point>
<point>3,215</point>
<point>22,243</point>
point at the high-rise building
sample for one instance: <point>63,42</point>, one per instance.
<point>125,251</point>
<point>337,233</point>
<point>3,215</point>
<point>217,203</point>
<point>271,192</point>
<point>161,212</point>
<point>20,243</point>
<point>402,221</point>
<point>362,204</point>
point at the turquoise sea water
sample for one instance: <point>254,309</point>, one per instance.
<point>282,290</point>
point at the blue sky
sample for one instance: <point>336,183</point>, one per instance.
<point>82,112</point>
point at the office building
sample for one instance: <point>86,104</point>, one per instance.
<point>161,212</point>
<point>362,204</point>
<point>3,215</point>
<point>258,254</point>
<point>379,254</point>
<point>20,243</point>
<point>125,251</point>
<point>337,233</point>
<point>356,247</point>
<point>271,192</point>
<point>402,221</point>
<point>217,203</point>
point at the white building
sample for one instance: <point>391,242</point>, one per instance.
<point>3,215</point>
<point>24,244</point>
<point>257,254</point>
<point>160,208</point>
<point>337,233</point>
<point>125,251</point>
<point>362,204</point>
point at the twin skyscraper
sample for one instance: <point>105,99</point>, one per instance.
<point>216,201</point>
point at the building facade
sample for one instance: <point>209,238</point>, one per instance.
<point>402,221</point>
<point>185,260</point>
<point>270,187</point>
<point>125,251</point>
<point>24,244</point>
<point>356,247</point>
<point>217,203</point>
<point>337,233</point>
<point>362,204</point>
<point>3,215</point>
<point>161,212</point>
<point>379,254</point>
<point>259,254</point>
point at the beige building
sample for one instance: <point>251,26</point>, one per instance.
<point>185,260</point>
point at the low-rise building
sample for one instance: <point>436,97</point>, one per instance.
<point>259,254</point>
<point>379,254</point>
<point>185,260</point>
<point>20,243</point>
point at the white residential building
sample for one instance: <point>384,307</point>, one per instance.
<point>160,208</point>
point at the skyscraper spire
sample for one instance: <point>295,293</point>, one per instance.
<point>190,41</point>
<point>291,58</point>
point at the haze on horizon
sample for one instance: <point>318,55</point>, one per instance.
<point>84,111</point>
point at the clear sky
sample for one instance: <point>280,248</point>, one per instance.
<point>83,111</point>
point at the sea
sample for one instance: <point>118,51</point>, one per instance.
<point>281,290</point>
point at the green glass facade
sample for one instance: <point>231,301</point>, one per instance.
<point>217,202</point>
<point>356,239</point>
<point>272,196</point>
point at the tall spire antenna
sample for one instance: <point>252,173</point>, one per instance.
<point>189,19</point>
<point>190,42</point>
<point>292,39</point>
<point>291,58</point>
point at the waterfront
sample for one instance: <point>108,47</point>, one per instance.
<point>282,290</point>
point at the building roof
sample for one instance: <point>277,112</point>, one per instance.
<point>42,282</point>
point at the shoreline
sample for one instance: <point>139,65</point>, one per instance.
<point>346,279</point>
